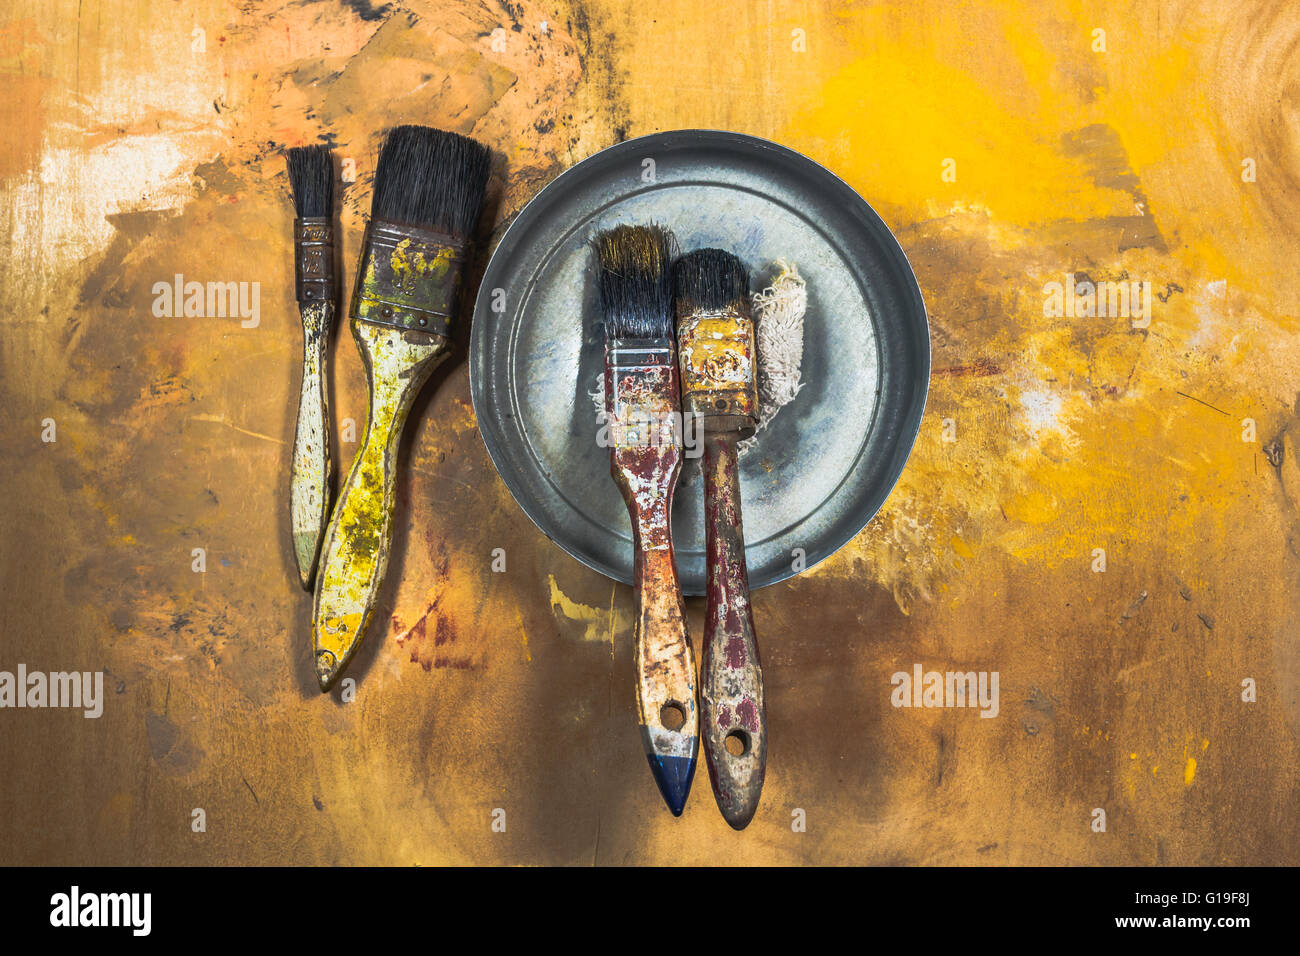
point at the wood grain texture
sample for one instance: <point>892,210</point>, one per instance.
<point>135,153</point>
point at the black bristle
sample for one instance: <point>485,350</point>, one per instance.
<point>635,281</point>
<point>431,179</point>
<point>707,280</point>
<point>311,177</point>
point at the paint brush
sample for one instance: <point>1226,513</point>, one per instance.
<point>311,178</point>
<point>634,287</point>
<point>429,191</point>
<point>715,336</point>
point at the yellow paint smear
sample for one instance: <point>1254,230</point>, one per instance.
<point>999,157</point>
<point>598,623</point>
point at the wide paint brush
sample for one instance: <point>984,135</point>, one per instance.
<point>429,190</point>
<point>715,340</point>
<point>311,177</point>
<point>643,422</point>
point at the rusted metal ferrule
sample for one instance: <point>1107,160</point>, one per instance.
<point>408,278</point>
<point>641,394</point>
<point>313,259</point>
<point>716,351</point>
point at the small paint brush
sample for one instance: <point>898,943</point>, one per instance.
<point>715,338</point>
<point>634,287</point>
<point>429,191</point>
<point>311,177</point>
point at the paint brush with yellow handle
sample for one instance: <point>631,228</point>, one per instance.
<point>643,422</point>
<point>429,191</point>
<point>715,345</point>
<point>311,178</point>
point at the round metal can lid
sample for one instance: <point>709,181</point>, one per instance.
<point>826,463</point>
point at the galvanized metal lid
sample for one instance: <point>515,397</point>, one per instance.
<point>827,462</point>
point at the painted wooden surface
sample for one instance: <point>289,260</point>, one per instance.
<point>1008,145</point>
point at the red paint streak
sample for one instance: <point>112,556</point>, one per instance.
<point>428,638</point>
<point>747,715</point>
<point>446,632</point>
<point>735,652</point>
<point>417,630</point>
<point>724,716</point>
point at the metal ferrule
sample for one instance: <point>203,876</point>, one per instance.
<point>719,383</point>
<point>641,395</point>
<point>408,278</point>
<point>313,259</point>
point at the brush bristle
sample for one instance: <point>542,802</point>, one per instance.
<point>311,177</point>
<point>431,179</point>
<point>635,281</point>
<point>708,280</point>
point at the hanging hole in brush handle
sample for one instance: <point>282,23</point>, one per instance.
<point>737,743</point>
<point>732,706</point>
<point>672,716</point>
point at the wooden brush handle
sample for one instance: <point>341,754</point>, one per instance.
<point>360,532</point>
<point>309,487</point>
<point>665,663</point>
<point>731,683</point>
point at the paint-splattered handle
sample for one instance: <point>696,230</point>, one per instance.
<point>360,532</point>
<point>731,683</point>
<point>665,663</point>
<point>309,490</point>
<point>665,677</point>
